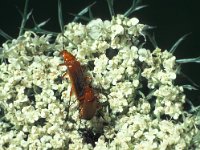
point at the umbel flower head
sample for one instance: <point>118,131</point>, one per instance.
<point>141,107</point>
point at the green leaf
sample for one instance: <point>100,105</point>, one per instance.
<point>29,14</point>
<point>110,7</point>
<point>37,28</point>
<point>60,16</point>
<point>5,35</point>
<point>42,23</point>
<point>26,16</point>
<point>147,33</point>
<point>194,109</point>
<point>80,17</point>
<point>189,87</point>
<point>134,7</point>
<point>173,48</point>
<point>191,105</point>
<point>152,39</point>
<point>41,31</point>
<point>189,60</point>
<point>82,12</point>
<point>90,14</point>
<point>132,10</point>
<point>70,41</point>
<point>190,80</point>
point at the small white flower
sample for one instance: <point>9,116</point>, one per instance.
<point>95,28</point>
<point>132,22</point>
<point>138,134</point>
<point>116,30</point>
<point>143,54</point>
<point>100,64</point>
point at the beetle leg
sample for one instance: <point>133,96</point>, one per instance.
<point>63,64</point>
<point>83,67</point>
<point>72,90</point>
<point>65,75</point>
<point>81,99</point>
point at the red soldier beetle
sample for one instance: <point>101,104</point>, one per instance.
<point>85,94</point>
<point>75,73</point>
<point>88,104</point>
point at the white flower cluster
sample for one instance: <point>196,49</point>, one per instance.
<point>34,117</point>
<point>141,108</point>
<point>140,131</point>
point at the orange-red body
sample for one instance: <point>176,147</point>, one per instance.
<point>85,94</point>
<point>88,104</point>
<point>75,73</point>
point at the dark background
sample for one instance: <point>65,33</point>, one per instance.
<point>173,19</point>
